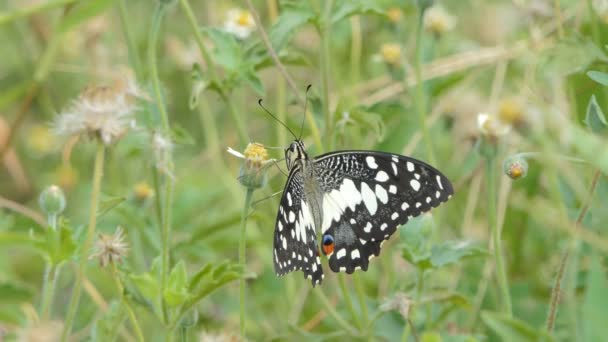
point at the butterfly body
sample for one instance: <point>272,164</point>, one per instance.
<point>355,200</point>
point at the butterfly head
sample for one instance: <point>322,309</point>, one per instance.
<point>296,151</point>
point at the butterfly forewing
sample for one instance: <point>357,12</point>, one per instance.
<point>367,195</point>
<point>295,244</point>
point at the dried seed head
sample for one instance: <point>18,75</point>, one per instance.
<point>110,248</point>
<point>104,112</point>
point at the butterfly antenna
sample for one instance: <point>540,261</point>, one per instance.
<point>305,105</point>
<point>274,117</point>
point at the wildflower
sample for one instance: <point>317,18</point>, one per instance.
<point>52,200</point>
<point>162,147</point>
<point>104,112</point>
<point>515,167</point>
<point>391,53</point>
<point>510,111</point>
<point>239,22</point>
<point>394,14</point>
<point>437,20</point>
<point>143,191</point>
<point>400,302</point>
<point>253,171</point>
<point>492,126</point>
<point>110,248</point>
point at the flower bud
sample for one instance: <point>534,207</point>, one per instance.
<point>52,200</point>
<point>253,171</point>
<point>515,167</point>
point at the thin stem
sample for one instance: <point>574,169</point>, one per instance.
<point>556,292</point>
<point>420,95</point>
<point>355,49</point>
<point>557,7</point>
<point>326,69</point>
<point>272,52</point>
<point>132,48</point>
<point>493,226</point>
<point>165,232</point>
<point>332,312</point>
<point>132,317</point>
<point>361,297</point>
<point>86,245</point>
<point>49,280</point>
<point>242,257</point>
<point>595,25</point>
<point>198,37</point>
<point>348,301</point>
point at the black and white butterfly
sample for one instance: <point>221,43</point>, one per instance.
<point>355,199</point>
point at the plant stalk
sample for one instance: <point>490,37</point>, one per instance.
<point>86,246</point>
<point>242,258</point>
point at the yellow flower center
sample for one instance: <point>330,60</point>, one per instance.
<point>391,53</point>
<point>142,191</point>
<point>244,19</point>
<point>256,152</point>
<point>394,14</point>
<point>510,111</point>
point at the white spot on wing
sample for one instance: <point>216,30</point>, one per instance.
<point>355,254</point>
<point>395,216</point>
<point>415,184</point>
<point>437,194</point>
<point>368,227</point>
<point>371,162</point>
<point>395,159</point>
<point>381,176</point>
<point>410,166</point>
<point>363,242</point>
<point>341,253</point>
<point>284,242</point>
<point>394,168</point>
<point>336,202</point>
<point>369,198</point>
<point>392,189</point>
<point>428,199</point>
<point>289,199</point>
<point>280,225</point>
<point>381,194</point>
<point>383,226</point>
<point>404,206</point>
<point>438,178</point>
<point>292,217</point>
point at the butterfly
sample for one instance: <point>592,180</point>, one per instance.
<point>355,199</point>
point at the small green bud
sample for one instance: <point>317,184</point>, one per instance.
<point>515,167</point>
<point>52,200</point>
<point>189,319</point>
<point>253,172</point>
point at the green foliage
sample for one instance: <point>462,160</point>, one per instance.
<point>595,301</point>
<point>511,329</point>
<point>595,118</point>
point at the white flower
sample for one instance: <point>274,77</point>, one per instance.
<point>106,112</point>
<point>492,126</point>
<point>437,20</point>
<point>239,22</point>
<point>110,248</point>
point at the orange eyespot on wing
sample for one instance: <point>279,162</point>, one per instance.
<point>328,244</point>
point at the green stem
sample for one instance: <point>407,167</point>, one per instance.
<point>50,277</point>
<point>132,317</point>
<point>420,94</point>
<point>165,232</point>
<point>19,13</point>
<point>132,48</point>
<point>326,69</point>
<point>332,312</point>
<point>86,245</point>
<point>198,37</point>
<point>556,292</point>
<point>242,258</point>
<point>362,302</point>
<point>348,301</point>
<point>498,253</point>
<point>595,25</point>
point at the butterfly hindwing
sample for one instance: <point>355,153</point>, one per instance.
<point>367,195</point>
<point>295,243</point>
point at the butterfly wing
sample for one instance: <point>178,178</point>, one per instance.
<point>295,242</point>
<point>367,195</point>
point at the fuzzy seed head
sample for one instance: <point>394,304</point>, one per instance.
<point>110,248</point>
<point>437,20</point>
<point>104,112</point>
<point>391,53</point>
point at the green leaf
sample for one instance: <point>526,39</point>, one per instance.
<point>82,12</point>
<point>595,304</point>
<point>572,55</point>
<point>176,292</point>
<point>147,285</point>
<point>511,329</point>
<point>199,276</point>
<point>11,293</point>
<point>60,245</point>
<point>599,77</point>
<point>415,234</point>
<point>12,314</point>
<point>180,136</point>
<point>108,204</point>
<point>254,81</point>
<point>430,336</point>
<point>227,52</point>
<point>293,15</point>
<point>107,327</point>
<point>347,8</point>
<point>451,252</point>
<point>595,118</point>
<point>14,239</point>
